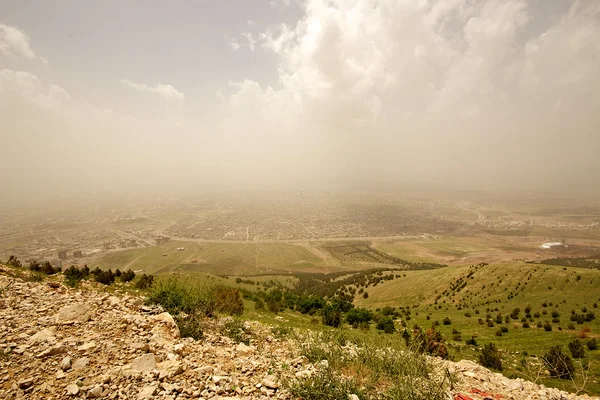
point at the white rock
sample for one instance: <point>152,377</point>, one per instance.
<point>74,313</point>
<point>96,391</point>
<point>144,363</point>
<point>66,363</point>
<point>72,390</point>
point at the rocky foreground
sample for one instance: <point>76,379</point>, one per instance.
<point>61,343</point>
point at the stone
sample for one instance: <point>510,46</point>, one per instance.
<point>147,392</point>
<point>72,390</point>
<point>81,363</point>
<point>270,383</point>
<point>96,391</point>
<point>169,369</point>
<point>45,335</point>
<point>66,363</point>
<point>60,349</point>
<point>25,383</point>
<point>74,313</point>
<point>86,346</point>
<point>144,363</point>
<point>140,346</point>
<point>243,350</point>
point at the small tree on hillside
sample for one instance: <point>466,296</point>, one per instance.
<point>558,363</point>
<point>490,357</point>
<point>576,349</point>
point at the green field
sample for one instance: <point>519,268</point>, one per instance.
<point>218,259</point>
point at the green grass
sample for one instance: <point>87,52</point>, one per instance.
<point>216,258</point>
<point>527,284</point>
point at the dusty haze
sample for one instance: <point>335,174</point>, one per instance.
<point>153,96</point>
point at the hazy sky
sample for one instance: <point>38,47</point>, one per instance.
<point>111,94</point>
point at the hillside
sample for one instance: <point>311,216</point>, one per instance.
<point>88,342</point>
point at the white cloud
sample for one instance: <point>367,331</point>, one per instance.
<point>251,40</point>
<point>165,92</point>
<point>31,88</point>
<point>415,68</point>
<point>233,44</point>
<point>14,42</point>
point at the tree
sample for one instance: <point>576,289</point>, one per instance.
<point>358,317</point>
<point>576,349</point>
<point>490,357</point>
<point>386,324</point>
<point>558,363</point>
<point>331,316</point>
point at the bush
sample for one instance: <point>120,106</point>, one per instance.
<point>145,282</point>
<point>591,344</point>
<point>430,342</point>
<point>118,273</point>
<point>127,276</point>
<point>104,277</point>
<point>504,329</point>
<point>499,332</point>
<point>259,304</point>
<point>325,385</point>
<point>358,316</point>
<point>547,327</point>
<point>236,331</point>
<point>446,321</point>
<point>386,324</point>
<point>526,324</point>
<point>73,274</point>
<point>559,365</point>
<point>490,357</point>
<point>472,341</point>
<point>576,349</point>
<point>331,316</point>
<point>177,299</point>
<point>228,300</point>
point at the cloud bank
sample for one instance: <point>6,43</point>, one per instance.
<point>486,94</point>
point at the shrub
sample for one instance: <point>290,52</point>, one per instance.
<point>490,357</point>
<point>571,326</point>
<point>236,331</point>
<point>331,316</point>
<point>228,300</point>
<point>499,332</point>
<point>127,276</point>
<point>547,327</point>
<point>358,316</point>
<point>576,349</point>
<point>490,323</point>
<point>104,277</point>
<point>190,326</point>
<point>472,341</point>
<point>526,324</point>
<point>431,342</point>
<point>177,299</point>
<point>386,324</point>
<point>144,282</point>
<point>591,344</point>
<point>118,273</point>
<point>446,321</point>
<point>559,365</point>
<point>504,329</point>
<point>259,304</point>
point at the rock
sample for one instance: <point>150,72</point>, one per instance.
<point>80,363</point>
<point>53,351</point>
<point>298,361</point>
<point>86,346</point>
<point>269,382</point>
<point>244,350</point>
<point>74,313</point>
<point>144,363</point>
<point>140,346</point>
<point>96,391</point>
<point>66,363</point>
<point>169,369</point>
<point>25,383</point>
<point>147,392</point>
<point>72,390</point>
<point>45,335</point>
<point>353,397</point>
